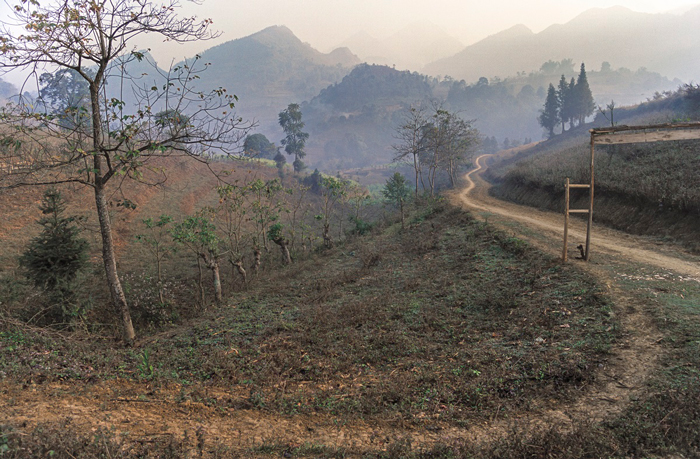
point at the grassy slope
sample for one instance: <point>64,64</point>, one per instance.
<point>447,322</point>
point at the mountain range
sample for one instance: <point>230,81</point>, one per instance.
<point>664,43</point>
<point>349,112</point>
<point>410,48</point>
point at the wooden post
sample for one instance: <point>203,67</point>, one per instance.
<point>590,204</point>
<point>564,255</point>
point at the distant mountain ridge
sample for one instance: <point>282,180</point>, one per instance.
<point>274,62</point>
<point>408,49</point>
<point>269,70</point>
<point>664,43</point>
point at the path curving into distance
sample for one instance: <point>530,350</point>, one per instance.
<point>475,196</point>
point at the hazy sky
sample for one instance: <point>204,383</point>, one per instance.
<point>327,23</point>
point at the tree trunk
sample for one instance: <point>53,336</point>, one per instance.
<point>402,214</point>
<point>256,259</point>
<point>213,264</point>
<point>284,248</point>
<point>238,264</point>
<point>160,278</point>
<point>417,169</point>
<point>201,282</point>
<point>327,240</point>
<point>110,263</point>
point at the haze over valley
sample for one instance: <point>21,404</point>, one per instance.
<point>499,81</point>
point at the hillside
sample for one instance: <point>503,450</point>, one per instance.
<point>352,123</point>
<point>649,189</point>
<point>425,341</point>
<point>664,43</point>
<point>271,69</point>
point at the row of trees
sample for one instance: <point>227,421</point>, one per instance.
<point>252,216</point>
<point>249,218</point>
<point>434,139</point>
<point>571,102</point>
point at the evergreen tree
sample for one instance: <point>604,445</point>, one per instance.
<point>549,116</point>
<point>53,259</point>
<point>585,105</point>
<point>564,96</point>
<point>571,96</point>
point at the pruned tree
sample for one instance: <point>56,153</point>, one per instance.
<point>264,207</point>
<point>276,234</point>
<point>199,236</point>
<point>232,212</point>
<point>332,190</point>
<point>156,241</point>
<point>92,38</point>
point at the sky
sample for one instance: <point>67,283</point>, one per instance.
<point>327,23</point>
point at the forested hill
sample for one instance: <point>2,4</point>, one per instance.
<point>352,123</point>
<point>664,43</point>
<point>375,85</point>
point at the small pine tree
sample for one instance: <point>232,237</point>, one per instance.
<point>53,259</point>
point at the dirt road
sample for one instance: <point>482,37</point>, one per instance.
<point>620,245</point>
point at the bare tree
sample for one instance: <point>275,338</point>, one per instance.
<point>449,141</point>
<point>410,135</point>
<point>462,140</point>
<point>165,115</point>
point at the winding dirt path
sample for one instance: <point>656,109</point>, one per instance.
<point>604,240</point>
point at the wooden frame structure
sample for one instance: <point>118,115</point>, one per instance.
<point>618,135</point>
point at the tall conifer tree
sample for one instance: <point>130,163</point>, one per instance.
<point>585,105</point>
<point>549,116</point>
<point>564,96</point>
